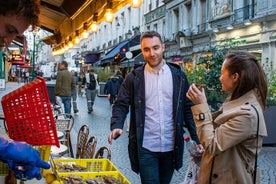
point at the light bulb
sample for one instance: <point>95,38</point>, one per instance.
<point>94,27</point>
<point>136,3</point>
<point>85,34</point>
<point>77,41</point>
<point>70,45</point>
<point>109,15</point>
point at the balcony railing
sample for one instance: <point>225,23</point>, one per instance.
<point>242,14</point>
<point>238,16</point>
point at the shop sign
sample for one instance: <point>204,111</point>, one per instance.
<point>177,59</point>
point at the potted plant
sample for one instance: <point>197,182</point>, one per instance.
<point>207,69</point>
<point>270,110</point>
<point>271,80</point>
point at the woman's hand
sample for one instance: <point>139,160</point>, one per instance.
<point>195,95</point>
<point>200,148</point>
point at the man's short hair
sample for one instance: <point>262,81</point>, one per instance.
<point>91,70</point>
<point>150,34</point>
<point>64,63</point>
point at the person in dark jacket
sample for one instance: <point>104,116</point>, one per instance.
<point>156,95</point>
<point>112,88</point>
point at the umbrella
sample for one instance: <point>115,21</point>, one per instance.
<point>25,66</point>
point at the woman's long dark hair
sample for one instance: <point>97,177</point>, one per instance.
<point>251,74</point>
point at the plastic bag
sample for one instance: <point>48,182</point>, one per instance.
<point>191,173</point>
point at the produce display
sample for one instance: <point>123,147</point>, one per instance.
<point>72,179</point>
<point>87,171</point>
<point>70,168</point>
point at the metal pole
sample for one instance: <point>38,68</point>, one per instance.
<point>128,67</point>
<point>33,74</point>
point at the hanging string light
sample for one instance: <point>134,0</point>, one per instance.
<point>85,33</point>
<point>94,26</point>
<point>109,15</point>
<point>136,3</point>
<point>77,39</point>
<point>70,42</point>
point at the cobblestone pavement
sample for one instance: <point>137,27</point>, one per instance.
<point>98,122</point>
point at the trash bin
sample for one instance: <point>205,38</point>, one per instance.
<point>51,92</point>
<point>101,92</point>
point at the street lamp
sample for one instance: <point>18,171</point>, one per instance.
<point>35,45</point>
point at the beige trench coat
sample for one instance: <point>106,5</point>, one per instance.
<point>229,140</point>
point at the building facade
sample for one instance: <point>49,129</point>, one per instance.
<point>188,28</point>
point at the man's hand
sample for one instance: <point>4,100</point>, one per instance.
<point>114,134</point>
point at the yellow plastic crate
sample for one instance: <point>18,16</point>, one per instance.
<point>85,175</point>
<point>4,169</point>
<point>94,168</point>
<point>44,152</point>
<point>92,165</point>
<point>44,155</point>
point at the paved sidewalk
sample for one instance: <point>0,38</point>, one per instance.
<point>98,123</point>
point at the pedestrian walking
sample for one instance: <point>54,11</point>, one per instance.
<point>64,86</point>
<point>90,81</point>
<point>26,76</point>
<point>80,85</point>
<point>232,136</point>
<point>120,76</point>
<point>112,88</point>
<point>18,74</point>
<point>74,91</point>
<point>155,93</point>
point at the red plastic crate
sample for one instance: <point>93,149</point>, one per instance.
<point>28,114</point>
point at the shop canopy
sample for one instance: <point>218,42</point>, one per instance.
<point>25,66</point>
<point>91,57</point>
<point>109,57</point>
<point>137,60</point>
<point>17,60</point>
<point>121,49</point>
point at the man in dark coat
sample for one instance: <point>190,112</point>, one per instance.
<point>156,95</point>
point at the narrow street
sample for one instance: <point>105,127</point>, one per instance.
<point>98,122</point>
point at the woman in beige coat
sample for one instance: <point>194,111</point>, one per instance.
<point>229,135</point>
